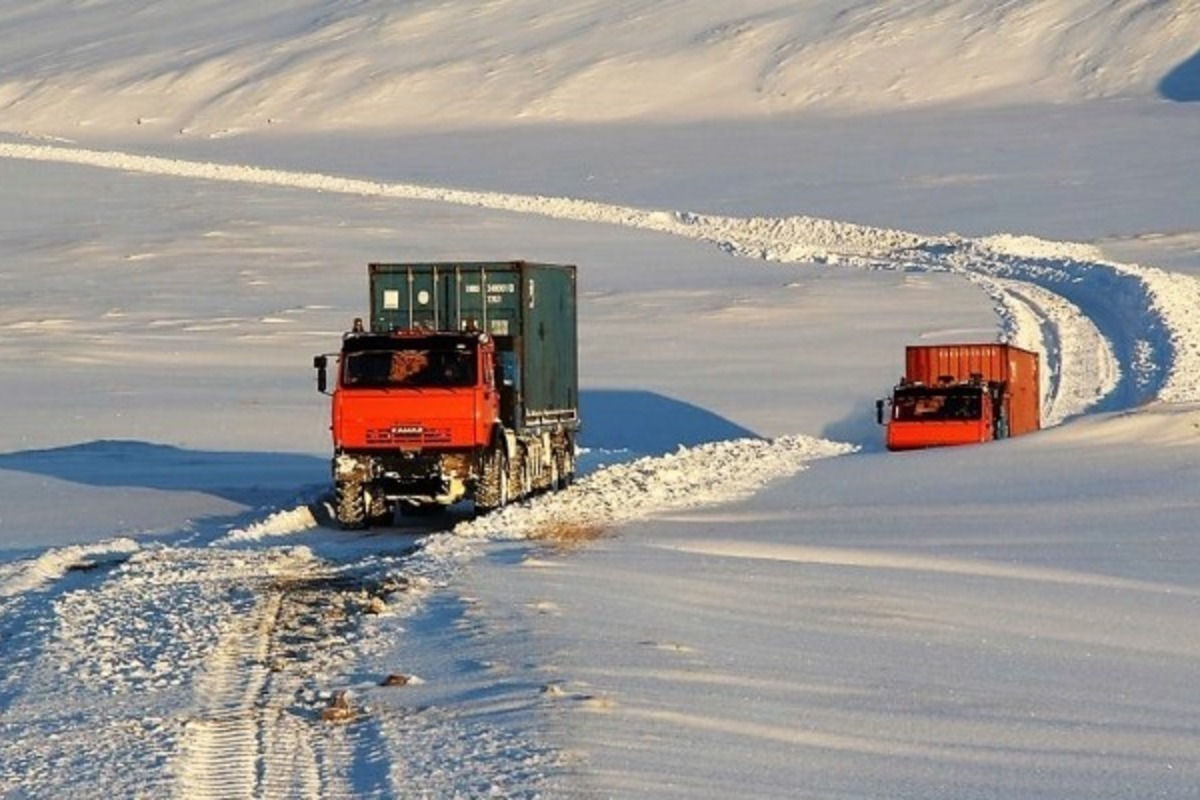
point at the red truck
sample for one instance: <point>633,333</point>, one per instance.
<point>463,386</point>
<point>955,394</point>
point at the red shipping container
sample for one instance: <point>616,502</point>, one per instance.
<point>959,363</point>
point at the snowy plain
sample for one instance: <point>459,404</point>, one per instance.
<point>743,595</point>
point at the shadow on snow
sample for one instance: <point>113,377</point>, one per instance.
<point>249,479</point>
<point>646,423</point>
<point>859,427</point>
<point>1182,84</point>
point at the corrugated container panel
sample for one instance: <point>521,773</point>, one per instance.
<point>549,339</point>
<point>529,308</point>
<point>447,296</point>
<point>1025,394</point>
<point>928,364</point>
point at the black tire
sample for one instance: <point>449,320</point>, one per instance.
<point>379,512</point>
<point>564,460</point>
<point>519,482</point>
<point>350,505</point>
<point>492,491</point>
<point>555,473</point>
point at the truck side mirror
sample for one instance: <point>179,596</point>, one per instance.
<point>879,412</point>
<point>319,364</point>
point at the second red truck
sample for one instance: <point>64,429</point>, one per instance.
<point>954,394</point>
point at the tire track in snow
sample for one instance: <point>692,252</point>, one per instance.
<point>111,661</point>
<point>257,728</point>
<point>204,670</point>
<point>1150,317</point>
<point>223,743</point>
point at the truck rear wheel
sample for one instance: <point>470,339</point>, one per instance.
<point>492,491</point>
<point>564,468</point>
<point>518,474</point>
<point>350,505</point>
<point>563,458</point>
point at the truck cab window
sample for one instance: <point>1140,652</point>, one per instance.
<point>959,406</point>
<point>410,367</point>
<point>932,405</point>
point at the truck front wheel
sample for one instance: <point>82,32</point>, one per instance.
<point>350,504</point>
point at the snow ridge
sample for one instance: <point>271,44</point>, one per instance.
<point>279,523</point>
<point>708,474</point>
<point>21,577</point>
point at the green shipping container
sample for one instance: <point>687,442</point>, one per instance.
<point>528,308</point>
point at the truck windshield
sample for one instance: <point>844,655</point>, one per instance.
<point>926,404</point>
<point>409,364</point>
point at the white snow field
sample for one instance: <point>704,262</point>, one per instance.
<point>743,595</point>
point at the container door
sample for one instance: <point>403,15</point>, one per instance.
<point>404,297</point>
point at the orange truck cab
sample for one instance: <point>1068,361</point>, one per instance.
<point>420,404</point>
<point>962,394</point>
<point>412,388</point>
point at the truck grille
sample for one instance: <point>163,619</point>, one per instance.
<point>408,436</point>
